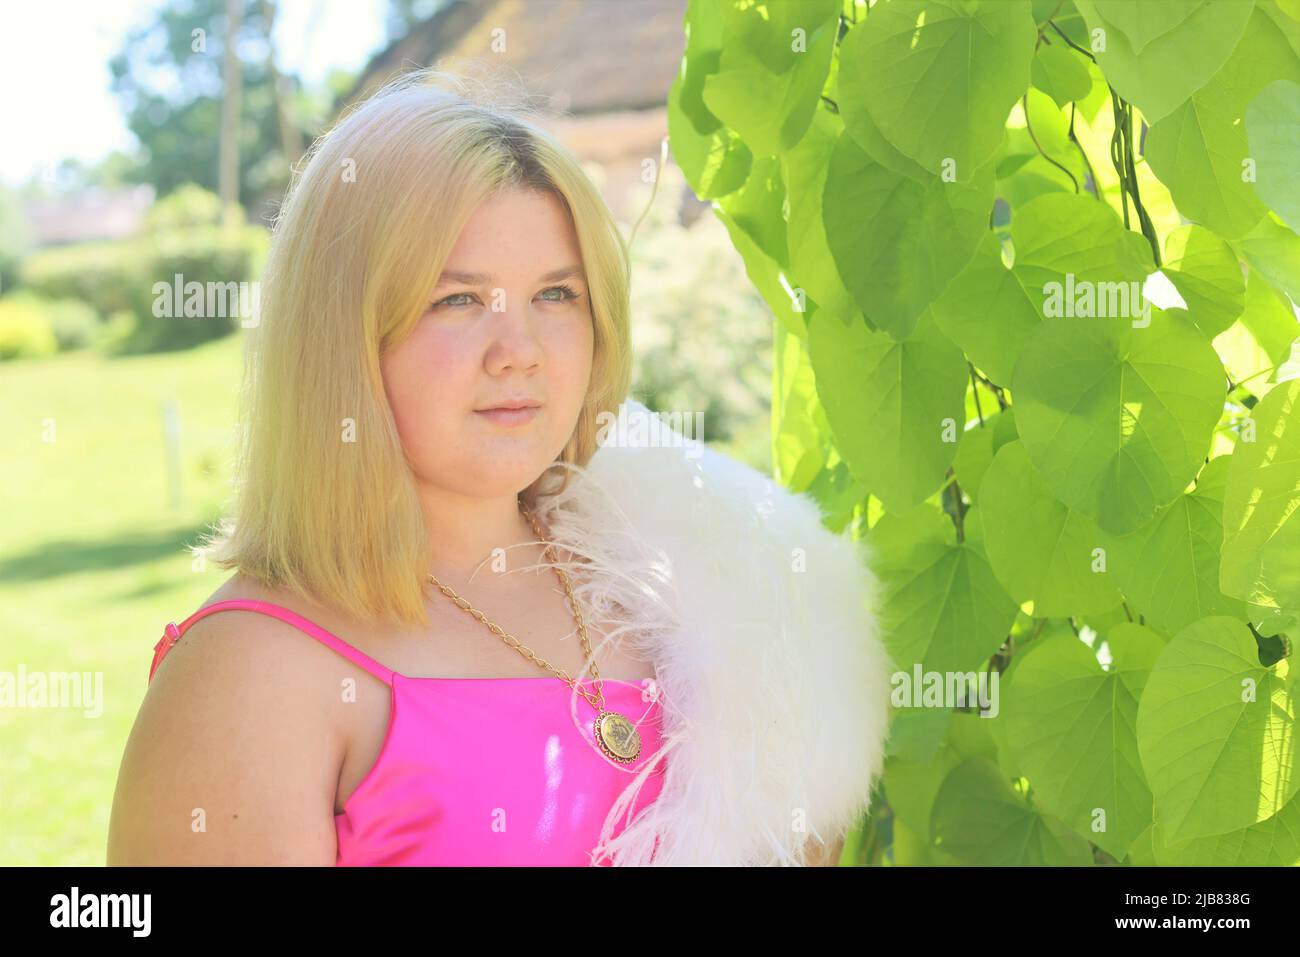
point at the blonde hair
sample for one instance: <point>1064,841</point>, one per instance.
<point>371,215</point>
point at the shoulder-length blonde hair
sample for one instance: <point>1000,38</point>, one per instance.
<point>325,501</point>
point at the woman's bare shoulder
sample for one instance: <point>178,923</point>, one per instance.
<point>252,642</point>
<point>234,754</point>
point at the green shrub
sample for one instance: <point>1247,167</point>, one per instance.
<point>124,275</point>
<point>75,324</point>
<point>25,331</point>
<point>104,274</point>
<point>116,332</point>
<point>202,254</point>
<point>186,206</point>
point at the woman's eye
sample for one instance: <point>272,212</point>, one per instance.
<point>448,301</point>
<point>565,294</point>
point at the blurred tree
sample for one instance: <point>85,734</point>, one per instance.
<point>231,90</point>
<point>168,78</point>
<point>73,175</point>
<point>291,144</point>
<point>15,237</point>
<point>404,14</point>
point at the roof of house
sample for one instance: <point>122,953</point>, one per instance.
<point>576,56</point>
<point>92,214</point>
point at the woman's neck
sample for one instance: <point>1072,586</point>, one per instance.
<point>476,537</point>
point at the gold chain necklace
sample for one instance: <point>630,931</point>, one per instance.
<point>615,734</point>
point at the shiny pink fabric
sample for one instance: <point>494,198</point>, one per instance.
<point>479,771</point>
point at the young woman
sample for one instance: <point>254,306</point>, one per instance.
<point>539,637</point>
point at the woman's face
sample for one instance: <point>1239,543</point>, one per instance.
<point>510,320</point>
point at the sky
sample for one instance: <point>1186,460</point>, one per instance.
<point>55,96</point>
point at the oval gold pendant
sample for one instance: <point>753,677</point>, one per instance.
<point>617,738</point>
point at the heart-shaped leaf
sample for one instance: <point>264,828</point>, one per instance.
<point>1071,727</point>
<point>1216,731</point>
<point>1116,419</point>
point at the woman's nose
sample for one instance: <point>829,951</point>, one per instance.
<point>514,341</point>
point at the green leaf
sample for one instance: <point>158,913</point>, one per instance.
<point>1274,251</point>
<point>887,402</point>
<point>1027,181</point>
<point>1270,318</point>
<point>1175,64</point>
<point>798,447</point>
<point>757,209</point>
<point>1117,419</point>
<point>980,819</point>
<point>1071,726</point>
<point>779,36</point>
<point>754,221</point>
<point>1205,271</point>
<point>1140,853</point>
<point>859,124</point>
<point>1216,731</point>
<point>1261,510</point>
<point>1143,22</point>
<point>1004,429</point>
<point>804,169</point>
<point>713,158</point>
<point>1270,622</point>
<point>1049,127</point>
<point>915,736</point>
<point>1099,96</point>
<point>940,76</point>
<point>1102,623</point>
<point>974,455</point>
<point>1170,567</point>
<point>1286,14</point>
<point>910,849</point>
<point>942,607</point>
<point>896,242</point>
<point>987,312</point>
<point>1199,149</point>
<point>1271,843</point>
<point>1060,73</point>
<point>766,87</point>
<point>1096,248</point>
<point>838,493</point>
<point>912,784</point>
<point>1273,129</point>
<point>1041,550</point>
<point>1257,345</point>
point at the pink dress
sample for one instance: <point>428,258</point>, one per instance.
<point>480,771</point>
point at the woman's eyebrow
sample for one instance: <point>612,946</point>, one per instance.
<point>482,279</point>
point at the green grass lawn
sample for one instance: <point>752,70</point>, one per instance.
<point>93,564</point>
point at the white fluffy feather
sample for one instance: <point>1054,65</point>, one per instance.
<point>774,681</point>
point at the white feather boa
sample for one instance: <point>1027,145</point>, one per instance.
<point>773,680</point>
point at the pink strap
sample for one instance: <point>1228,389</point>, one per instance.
<point>173,632</point>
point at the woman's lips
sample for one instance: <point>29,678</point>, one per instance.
<point>510,416</point>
